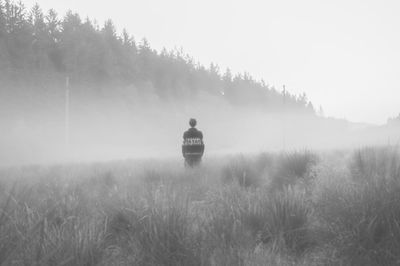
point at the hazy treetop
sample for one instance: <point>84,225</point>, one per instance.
<point>41,48</point>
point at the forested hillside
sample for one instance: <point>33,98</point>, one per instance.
<point>40,49</point>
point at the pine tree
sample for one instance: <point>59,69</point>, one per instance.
<point>41,39</point>
<point>321,111</point>
<point>145,57</point>
<point>53,26</point>
<point>19,35</point>
<point>4,58</point>
<point>2,20</point>
<point>34,42</point>
<point>227,77</point>
<point>109,30</point>
<point>53,34</point>
<point>70,40</point>
<point>127,40</point>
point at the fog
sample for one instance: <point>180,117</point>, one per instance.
<point>116,124</point>
<point>126,99</point>
<point>335,51</point>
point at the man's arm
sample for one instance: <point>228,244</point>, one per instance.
<point>202,143</point>
<point>184,151</point>
<point>183,145</point>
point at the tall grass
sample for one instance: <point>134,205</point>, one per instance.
<point>370,164</point>
<point>362,212</point>
<point>273,209</point>
<point>281,171</point>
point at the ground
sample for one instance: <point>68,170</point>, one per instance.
<point>289,208</point>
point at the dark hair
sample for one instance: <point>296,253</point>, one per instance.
<point>192,122</point>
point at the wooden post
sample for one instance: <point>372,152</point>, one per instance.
<point>284,120</point>
<point>67,140</point>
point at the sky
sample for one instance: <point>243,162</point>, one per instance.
<point>344,54</point>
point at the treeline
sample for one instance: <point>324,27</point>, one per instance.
<point>394,120</point>
<point>42,47</point>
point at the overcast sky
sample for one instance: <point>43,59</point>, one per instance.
<point>344,54</point>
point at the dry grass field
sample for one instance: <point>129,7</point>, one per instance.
<point>294,208</point>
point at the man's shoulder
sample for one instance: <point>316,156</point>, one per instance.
<point>187,133</point>
<point>192,133</point>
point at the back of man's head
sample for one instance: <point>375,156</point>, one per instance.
<point>192,122</point>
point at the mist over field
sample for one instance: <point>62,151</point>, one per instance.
<point>128,100</point>
<point>124,124</point>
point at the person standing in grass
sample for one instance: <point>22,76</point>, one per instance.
<point>193,145</point>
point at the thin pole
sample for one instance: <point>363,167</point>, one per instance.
<point>284,119</point>
<point>67,115</point>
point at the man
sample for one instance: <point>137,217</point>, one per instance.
<point>193,146</point>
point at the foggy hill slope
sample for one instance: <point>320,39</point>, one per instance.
<point>38,51</point>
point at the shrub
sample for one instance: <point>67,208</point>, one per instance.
<point>370,163</point>
<point>33,236</point>
<point>363,217</point>
<point>247,172</point>
<point>286,225</point>
<point>222,230</point>
<point>162,234</point>
<point>291,167</point>
<point>279,220</point>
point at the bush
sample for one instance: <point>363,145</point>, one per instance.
<point>223,235</point>
<point>286,221</point>
<point>163,232</point>
<point>34,236</point>
<point>363,217</point>
<point>291,167</point>
<point>247,172</point>
<point>278,220</point>
<point>369,163</point>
